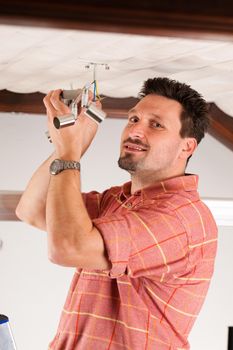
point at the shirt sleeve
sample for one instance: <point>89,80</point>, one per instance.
<point>92,203</point>
<point>147,242</point>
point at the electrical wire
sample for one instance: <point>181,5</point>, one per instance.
<point>97,91</point>
<point>94,99</point>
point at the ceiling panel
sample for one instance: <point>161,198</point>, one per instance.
<point>40,59</point>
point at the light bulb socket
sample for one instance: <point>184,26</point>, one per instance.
<point>98,115</point>
<point>62,122</point>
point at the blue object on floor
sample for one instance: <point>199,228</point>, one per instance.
<point>6,338</point>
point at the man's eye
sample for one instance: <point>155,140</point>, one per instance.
<point>133,119</point>
<point>157,125</point>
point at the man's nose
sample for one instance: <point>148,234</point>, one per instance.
<point>137,131</point>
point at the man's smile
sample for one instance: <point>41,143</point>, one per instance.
<point>135,146</point>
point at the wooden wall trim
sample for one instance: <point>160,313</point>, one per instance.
<point>222,209</point>
<point>8,203</point>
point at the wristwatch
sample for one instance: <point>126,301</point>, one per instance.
<point>59,165</point>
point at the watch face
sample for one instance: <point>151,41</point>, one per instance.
<point>56,167</point>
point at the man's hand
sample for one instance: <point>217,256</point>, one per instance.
<point>70,142</point>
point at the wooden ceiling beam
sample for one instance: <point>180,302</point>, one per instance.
<point>33,103</point>
<point>196,19</point>
<point>221,126</point>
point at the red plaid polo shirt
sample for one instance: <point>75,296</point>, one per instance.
<point>161,242</point>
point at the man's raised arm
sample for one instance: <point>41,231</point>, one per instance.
<point>32,205</point>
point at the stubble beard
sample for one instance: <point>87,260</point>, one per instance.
<point>127,163</point>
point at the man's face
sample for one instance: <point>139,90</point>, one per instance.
<point>151,141</point>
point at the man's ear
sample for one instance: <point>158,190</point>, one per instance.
<point>189,146</point>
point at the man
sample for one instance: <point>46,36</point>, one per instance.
<point>144,251</point>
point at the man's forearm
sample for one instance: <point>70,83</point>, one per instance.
<point>31,207</point>
<point>66,215</point>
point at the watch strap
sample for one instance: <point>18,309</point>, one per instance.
<point>59,165</point>
<point>71,164</point>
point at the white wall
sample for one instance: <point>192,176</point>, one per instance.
<point>210,332</point>
<point>32,290</point>
<point>23,146</point>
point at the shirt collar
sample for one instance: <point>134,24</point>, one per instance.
<point>187,182</point>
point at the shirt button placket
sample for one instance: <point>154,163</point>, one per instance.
<point>129,205</point>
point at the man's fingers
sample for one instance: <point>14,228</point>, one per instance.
<point>48,105</point>
<point>98,104</point>
<point>54,105</point>
<point>60,107</point>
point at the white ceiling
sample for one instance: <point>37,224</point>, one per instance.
<point>37,59</point>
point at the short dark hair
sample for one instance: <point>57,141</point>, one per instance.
<point>194,117</point>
